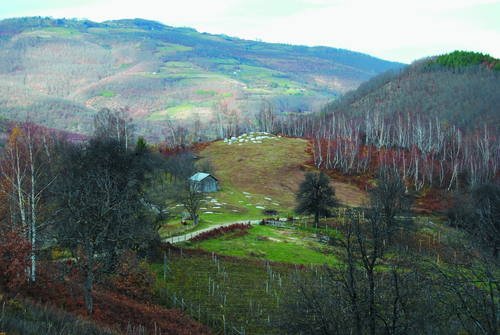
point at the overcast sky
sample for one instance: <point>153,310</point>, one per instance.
<point>399,30</point>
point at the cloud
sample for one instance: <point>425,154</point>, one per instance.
<point>395,30</point>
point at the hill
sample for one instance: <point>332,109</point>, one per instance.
<point>460,88</point>
<point>258,177</point>
<point>61,71</point>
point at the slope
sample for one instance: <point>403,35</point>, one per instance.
<point>60,71</point>
<point>461,88</point>
<point>262,174</point>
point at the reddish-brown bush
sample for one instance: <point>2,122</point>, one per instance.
<point>223,230</point>
<point>14,260</point>
<point>133,277</point>
<point>111,307</point>
<point>124,312</point>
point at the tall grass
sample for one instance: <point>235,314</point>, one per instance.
<point>27,318</point>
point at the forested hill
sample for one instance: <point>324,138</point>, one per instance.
<point>61,71</point>
<point>460,88</point>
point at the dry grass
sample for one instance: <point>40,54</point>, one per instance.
<point>349,194</point>
<point>274,168</point>
<point>271,168</point>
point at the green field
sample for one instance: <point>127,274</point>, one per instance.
<point>107,94</point>
<point>169,48</point>
<point>226,206</point>
<point>171,112</point>
<point>273,244</point>
<point>224,293</point>
<point>55,32</point>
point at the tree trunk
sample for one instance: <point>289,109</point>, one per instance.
<point>33,252</point>
<point>196,219</point>
<point>352,289</point>
<point>89,280</point>
<point>164,265</point>
<point>316,219</point>
<point>33,201</point>
<point>371,301</point>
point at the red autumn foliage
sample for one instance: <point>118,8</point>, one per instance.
<point>57,286</point>
<point>123,311</point>
<point>14,260</point>
<point>432,201</point>
<point>222,230</point>
<point>194,147</point>
<point>133,277</point>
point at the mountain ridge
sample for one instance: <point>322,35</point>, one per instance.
<point>459,88</point>
<point>61,71</point>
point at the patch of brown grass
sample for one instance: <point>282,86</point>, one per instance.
<point>274,168</point>
<point>349,194</point>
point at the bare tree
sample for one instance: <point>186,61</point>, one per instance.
<point>25,169</point>
<point>191,197</point>
<point>359,298</point>
<point>115,124</point>
<point>487,216</point>
<point>389,199</point>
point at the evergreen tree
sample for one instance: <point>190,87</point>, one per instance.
<point>315,196</point>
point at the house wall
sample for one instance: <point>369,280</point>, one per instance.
<point>209,185</point>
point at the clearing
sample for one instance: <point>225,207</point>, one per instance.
<point>273,244</point>
<point>272,169</point>
<point>257,172</point>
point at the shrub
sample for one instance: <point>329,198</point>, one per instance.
<point>271,212</point>
<point>28,318</point>
<point>222,230</point>
<point>133,277</point>
<point>14,253</point>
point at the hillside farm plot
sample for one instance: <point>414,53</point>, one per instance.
<point>270,169</point>
<point>273,244</point>
<point>223,207</point>
<point>266,166</point>
<point>240,297</point>
<point>259,174</point>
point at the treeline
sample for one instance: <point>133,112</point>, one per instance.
<point>428,151</point>
<point>460,59</point>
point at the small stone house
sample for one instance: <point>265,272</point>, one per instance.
<point>204,182</point>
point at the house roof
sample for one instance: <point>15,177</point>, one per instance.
<point>199,176</point>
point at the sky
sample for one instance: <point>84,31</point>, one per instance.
<point>397,30</point>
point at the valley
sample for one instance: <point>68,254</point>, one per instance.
<point>160,180</point>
